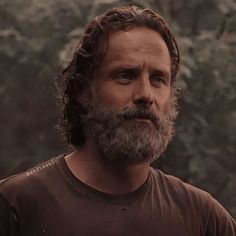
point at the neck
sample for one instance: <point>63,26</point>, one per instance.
<point>89,167</point>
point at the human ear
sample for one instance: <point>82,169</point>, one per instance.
<point>84,98</point>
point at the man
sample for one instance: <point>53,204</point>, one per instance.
<point>119,110</point>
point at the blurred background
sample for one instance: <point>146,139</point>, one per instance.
<point>36,42</point>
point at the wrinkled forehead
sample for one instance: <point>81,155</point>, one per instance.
<point>136,39</point>
<point>137,45</point>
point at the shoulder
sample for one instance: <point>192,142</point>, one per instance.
<point>185,198</point>
<point>197,203</point>
<point>27,181</point>
<point>177,187</point>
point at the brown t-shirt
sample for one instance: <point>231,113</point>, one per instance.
<point>50,200</point>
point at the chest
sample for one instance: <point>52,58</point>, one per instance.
<point>86,217</point>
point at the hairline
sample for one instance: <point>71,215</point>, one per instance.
<point>104,44</point>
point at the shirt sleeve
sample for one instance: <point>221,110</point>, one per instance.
<point>8,224</point>
<point>220,223</point>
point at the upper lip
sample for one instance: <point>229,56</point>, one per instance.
<point>143,119</point>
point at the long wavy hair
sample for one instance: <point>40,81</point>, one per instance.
<point>89,54</point>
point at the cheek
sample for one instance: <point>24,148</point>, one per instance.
<point>108,94</point>
<point>163,101</point>
<point>170,106</point>
<point>166,106</point>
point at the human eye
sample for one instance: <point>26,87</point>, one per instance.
<point>157,80</point>
<point>124,77</point>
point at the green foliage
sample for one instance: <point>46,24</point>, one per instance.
<point>36,37</point>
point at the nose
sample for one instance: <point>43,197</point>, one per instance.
<point>143,94</point>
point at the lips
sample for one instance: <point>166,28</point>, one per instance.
<point>143,120</point>
<point>139,115</point>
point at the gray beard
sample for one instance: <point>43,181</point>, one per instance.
<point>122,140</point>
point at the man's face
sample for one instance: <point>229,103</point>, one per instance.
<point>132,112</point>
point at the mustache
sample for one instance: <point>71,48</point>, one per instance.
<point>138,113</point>
<point>108,116</point>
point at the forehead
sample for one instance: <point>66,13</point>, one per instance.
<point>137,45</point>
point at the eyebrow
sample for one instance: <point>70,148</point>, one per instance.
<point>118,69</point>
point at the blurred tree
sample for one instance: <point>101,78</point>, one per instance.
<point>36,37</point>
